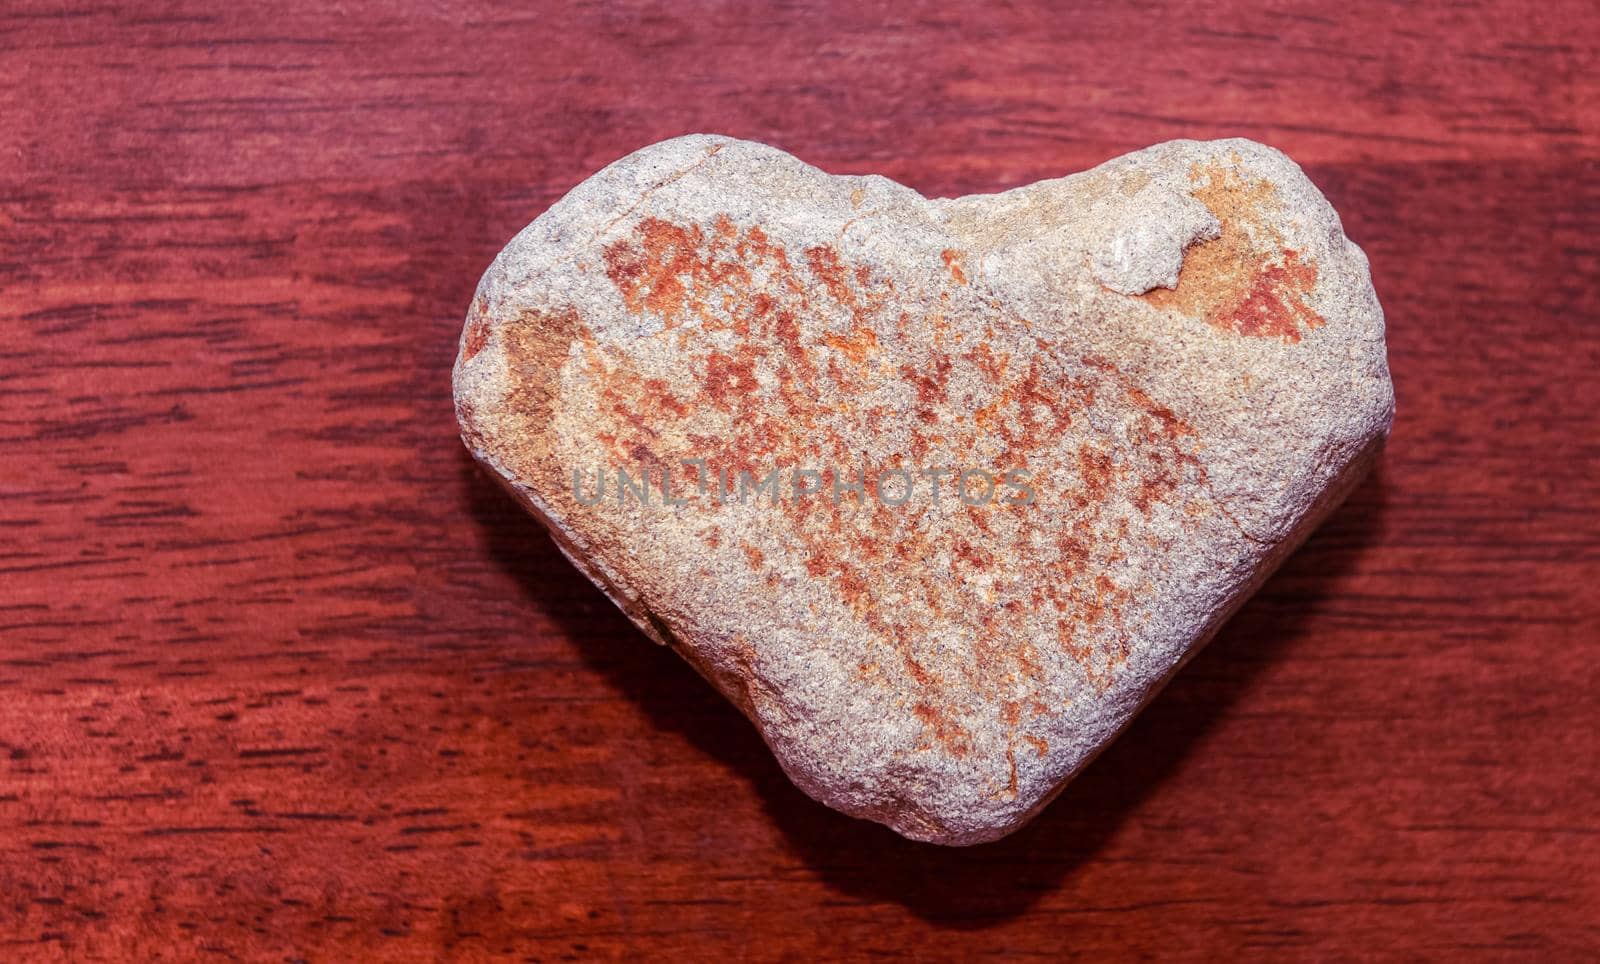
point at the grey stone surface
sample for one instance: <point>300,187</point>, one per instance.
<point>1171,366</point>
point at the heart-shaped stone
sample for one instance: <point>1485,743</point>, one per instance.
<point>938,492</point>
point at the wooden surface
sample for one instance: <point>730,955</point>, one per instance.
<point>283,677</point>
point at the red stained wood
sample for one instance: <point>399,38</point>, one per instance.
<point>283,676</point>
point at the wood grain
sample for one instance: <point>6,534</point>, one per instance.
<point>282,677</point>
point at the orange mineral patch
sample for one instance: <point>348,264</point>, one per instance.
<point>952,262</point>
<point>1244,281</point>
<point>477,331</point>
<point>856,346</point>
<point>980,589</point>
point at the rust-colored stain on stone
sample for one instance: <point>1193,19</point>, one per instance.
<point>477,331</point>
<point>650,272</point>
<point>952,263</point>
<point>946,732</point>
<point>856,346</point>
<point>1244,281</point>
<point>826,267</point>
<point>953,592</point>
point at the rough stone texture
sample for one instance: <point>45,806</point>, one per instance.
<point>1179,348</point>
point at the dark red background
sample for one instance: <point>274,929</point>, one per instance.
<point>282,676</point>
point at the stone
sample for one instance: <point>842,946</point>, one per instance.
<point>939,492</point>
